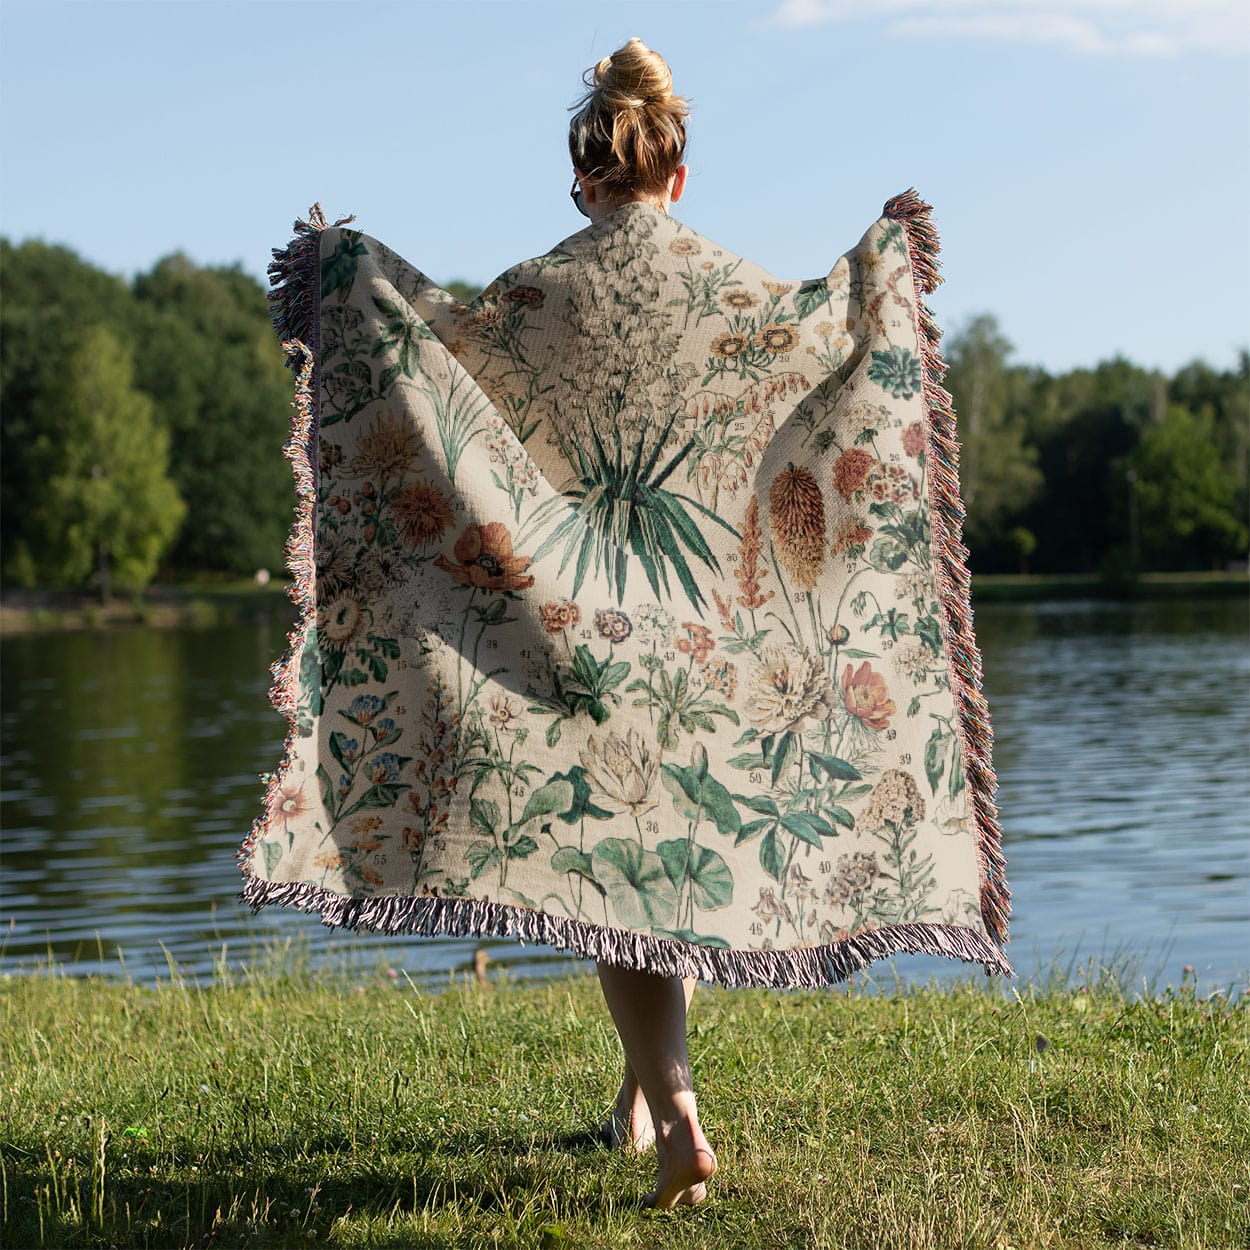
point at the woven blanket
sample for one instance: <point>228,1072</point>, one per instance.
<point>634,618</point>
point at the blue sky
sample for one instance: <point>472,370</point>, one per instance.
<point>1088,160</point>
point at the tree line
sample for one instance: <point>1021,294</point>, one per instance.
<point>142,425</point>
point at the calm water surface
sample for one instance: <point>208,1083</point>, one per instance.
<point>131,758</point>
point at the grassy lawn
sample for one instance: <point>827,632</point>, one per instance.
<point>287,1109</point>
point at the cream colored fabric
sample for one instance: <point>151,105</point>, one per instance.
<point>627,630</point>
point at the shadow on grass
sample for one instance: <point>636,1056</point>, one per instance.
<point>253,1198</point>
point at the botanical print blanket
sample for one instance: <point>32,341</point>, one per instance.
<point>634,615</point>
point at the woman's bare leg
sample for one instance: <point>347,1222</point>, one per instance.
<point>650,1015</point>
<point>629,1124</point>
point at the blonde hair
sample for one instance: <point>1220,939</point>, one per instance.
<point>629,133</point>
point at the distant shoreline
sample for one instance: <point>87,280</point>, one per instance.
<point>192,604</point>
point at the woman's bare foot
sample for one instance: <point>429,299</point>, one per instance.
<point>629,1125</point>
<point>686,1165</point>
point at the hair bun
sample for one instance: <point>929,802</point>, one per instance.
<point>633,77</point>
<point>629,131</point>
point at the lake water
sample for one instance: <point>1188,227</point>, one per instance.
<point>130,774</point>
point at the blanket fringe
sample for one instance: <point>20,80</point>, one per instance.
<point>802,968</point>
<point>954,580</point>
<point>294,303</point>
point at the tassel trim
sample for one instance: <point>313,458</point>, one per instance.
<point>295,307</point>
<point>954,581</point>
<point>800,968</point>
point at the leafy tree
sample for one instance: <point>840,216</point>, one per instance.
<point>997,467</point>
<point>51,297</point>
<point>208,358</point>
<point>1186,494</point>
<point>1085,424</point>
<point>102,500</point>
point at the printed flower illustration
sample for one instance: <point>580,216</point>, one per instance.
<point>559,616</point>
<point>789,686</point>
<point>721,676</point>
<point>891,483</point>
<point>914,440</point>
<point>850,538</point>
<point>502,713</point>
<point>486,560</point>
<point>798,521</point>
<point>776,339</point>
<point>384,767</point>
<point>684,247</point>
<point>770,907</point>
<point>750,568</point>
<point>895,801</point>
<point>913,659</point>
<point>386,449</point>
<point>335,559</point>
<point>866,696</point>
<point>422,512</point>
<point>854,875</point>
<point>612,624</point>
<point>653,624</point>
<point>341,620</point>
<point>698,643</point>
<point>364,707</point>
<point>623,771</point>
<point>739,300</point>
<point>778,289</point>
<point>291,803</point>
<point>727,346</point>
<point>529,295</point>
<point>896,372</point>
<point>850,471</point>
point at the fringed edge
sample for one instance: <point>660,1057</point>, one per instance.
<point>294,303</point>
<point>803,968</point>
<point>947,514</point>
<point>295,280</point>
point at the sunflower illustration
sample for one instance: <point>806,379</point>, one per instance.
<point>729,345</point>
<point>776,339</point>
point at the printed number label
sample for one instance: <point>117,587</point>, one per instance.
<point>905,758</point>
<point>753,778</point>
<point>757,929</point>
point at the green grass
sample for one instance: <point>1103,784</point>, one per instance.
<point>291,1109</point>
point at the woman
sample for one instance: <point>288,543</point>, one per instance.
<point>635,619</point>
<point>628,141</point>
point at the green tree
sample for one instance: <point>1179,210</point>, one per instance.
<point>1185,495</point>
<point>1085,424</point>
<point>51,296</point>
<point>208,358</point>
<point>997,466</point>
<point>102,499</point>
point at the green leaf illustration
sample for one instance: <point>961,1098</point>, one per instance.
<point>834,768</point>
<point>695,799</point>
<point>481,856</point>
<point>772,857</point>
<point>935,757</point>
<point>636,883</point>
<point>711,882</point>
<point>555,796</point>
